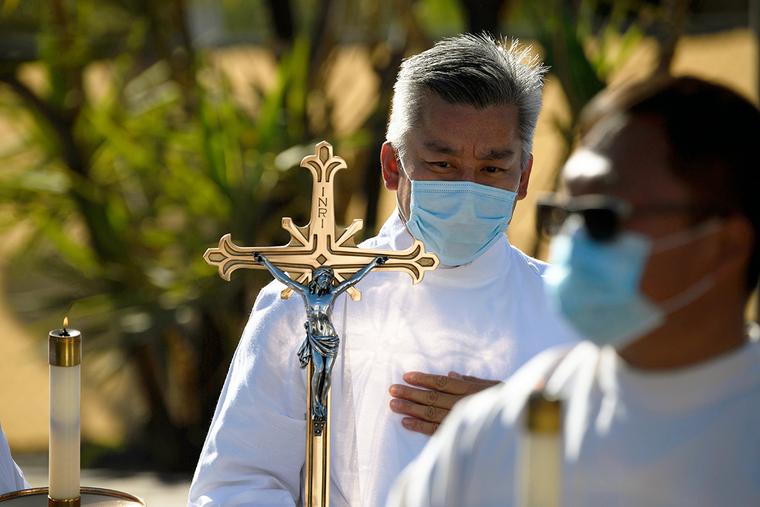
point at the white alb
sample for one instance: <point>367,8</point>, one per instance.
<point>11,477</point>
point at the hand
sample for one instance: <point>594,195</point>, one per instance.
<point>426,408</point>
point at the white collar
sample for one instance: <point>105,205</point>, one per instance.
<point>493,263</point>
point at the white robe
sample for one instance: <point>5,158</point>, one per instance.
<point>687,437</point>
<point>11,477</point>
<point>483,319</point>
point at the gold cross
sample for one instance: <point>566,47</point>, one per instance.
<point>319,242</point>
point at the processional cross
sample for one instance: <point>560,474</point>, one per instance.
<point>319,262</point>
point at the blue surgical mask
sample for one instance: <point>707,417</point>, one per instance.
<point>596,285</point>
<point>458,220</point>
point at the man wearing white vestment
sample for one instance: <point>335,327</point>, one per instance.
<point>11,477</point>
<point>655,260</point>
<point>458,153</point>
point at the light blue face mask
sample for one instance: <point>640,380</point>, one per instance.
<point>458,220</point>
<point>595,285</point>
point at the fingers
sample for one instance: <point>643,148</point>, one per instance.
<point>422,412</point>
<point>426,408</point>
<point>477,380</point>
<point>424,427</point>
<point>444,384</point>
<point>424,397</point>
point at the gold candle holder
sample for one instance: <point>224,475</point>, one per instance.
<point>65,346</point>
<point>38,497</point>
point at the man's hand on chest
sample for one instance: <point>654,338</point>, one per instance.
<point>432,397</point>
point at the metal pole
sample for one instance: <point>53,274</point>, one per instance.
<point>317,469</point>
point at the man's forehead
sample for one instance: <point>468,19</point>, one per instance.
<point>447,128</point>
<point>589,171</point>
<point>627,157</point>
<point>587,164</point>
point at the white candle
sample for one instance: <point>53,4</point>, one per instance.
<point>64,358</point>
<point>540,454</point>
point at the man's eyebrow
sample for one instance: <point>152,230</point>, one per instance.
<point>497,154</point>
<point>440,147</point>
<point>490,154</point>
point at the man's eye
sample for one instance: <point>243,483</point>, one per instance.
<point>440,164</point>
<point>494,170</point>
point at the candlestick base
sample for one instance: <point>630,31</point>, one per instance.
<point>90,497</point>
<point>69,502</point>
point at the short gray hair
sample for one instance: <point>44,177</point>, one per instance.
<point>474,70</point>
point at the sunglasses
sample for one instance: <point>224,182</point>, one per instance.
<point>602,215</point>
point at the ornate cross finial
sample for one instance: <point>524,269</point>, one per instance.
<point>320,242</point>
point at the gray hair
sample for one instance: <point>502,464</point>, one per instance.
<point>469,69</point>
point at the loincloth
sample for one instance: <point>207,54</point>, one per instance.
<point>325,345</point>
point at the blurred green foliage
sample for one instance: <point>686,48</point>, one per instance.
<point>583,48</point>
<point>121,190</point>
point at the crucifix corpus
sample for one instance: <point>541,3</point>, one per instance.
<point>320,262</point>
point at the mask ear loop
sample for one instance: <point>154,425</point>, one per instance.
<point>699,288</point>
<point>685,237</point>
<point>398,204</point>
<point>685,298</point>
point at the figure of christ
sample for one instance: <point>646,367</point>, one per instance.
<point>321,342</point>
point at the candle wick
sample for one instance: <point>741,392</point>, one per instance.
<point>65,332</point>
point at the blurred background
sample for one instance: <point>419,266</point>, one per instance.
<point>135,133</point>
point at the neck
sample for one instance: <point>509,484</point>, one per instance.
<point>710,327</point>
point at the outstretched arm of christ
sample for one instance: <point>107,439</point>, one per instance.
<point>377,261</point>
<point>279,274</point>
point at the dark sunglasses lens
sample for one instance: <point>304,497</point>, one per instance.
<point>601,223</point>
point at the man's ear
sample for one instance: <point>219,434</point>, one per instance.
<point>389,164</point>
<point>738,239</point>
<point>522,188</point>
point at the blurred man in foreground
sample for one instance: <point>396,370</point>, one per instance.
<point>11,477</point>
<point>655,260</point>
<point>458,155</point>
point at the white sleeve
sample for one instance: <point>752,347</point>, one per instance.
<point>11,477</point>
<point>254,450</point>
<point>471,458</point>
<point>448,471</point>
